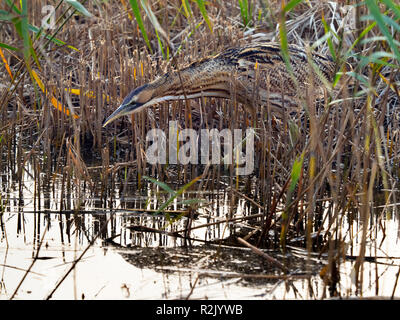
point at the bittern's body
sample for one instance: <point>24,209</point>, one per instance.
<point>254,73</point>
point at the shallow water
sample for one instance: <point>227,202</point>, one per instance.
<point>122,263</point>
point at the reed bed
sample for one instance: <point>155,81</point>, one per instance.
<point>326,164</point>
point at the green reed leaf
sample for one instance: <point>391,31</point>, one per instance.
<point>174,193</point>
<point>59,42</point>
<point>79,7</point>
<point>380,20</point>
<point>203,11</point>
<point>187,8</point>
<point>291,5</point>
<point>157,27</point>
<point>6,46</point>
<point>395,8</point>
<point>162,185</point>
<point>138,17</point>
<point>327,30</point>
<point>6,16</point>
<point>294,178</point>
<point>296,171</point>
<point>376,58</point>
<point>244,11</point>
<point>13,7</point>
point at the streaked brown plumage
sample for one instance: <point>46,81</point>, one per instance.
<point>255,72</point>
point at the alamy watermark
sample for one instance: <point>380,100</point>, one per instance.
<point>49,20</point>
<point>209,144</point>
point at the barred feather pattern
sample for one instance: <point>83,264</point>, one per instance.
<point>253,72</point>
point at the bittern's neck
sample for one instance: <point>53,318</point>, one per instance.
<point>202,79</point>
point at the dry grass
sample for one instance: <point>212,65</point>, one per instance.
<point>350,141</point>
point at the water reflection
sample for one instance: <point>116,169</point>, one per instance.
<point>134,254</point>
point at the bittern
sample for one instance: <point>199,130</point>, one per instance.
<point>238,72</point>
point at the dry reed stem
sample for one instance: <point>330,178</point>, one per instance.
<point>263,254</point>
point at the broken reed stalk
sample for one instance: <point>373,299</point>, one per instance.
<point>227,274</point>
<point>264,255</point>
<point>223,220</point>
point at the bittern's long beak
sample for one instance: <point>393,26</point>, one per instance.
<point>122,110</point>
<point>116,114</point>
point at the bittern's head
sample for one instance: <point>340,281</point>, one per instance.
<point>135,101</point>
